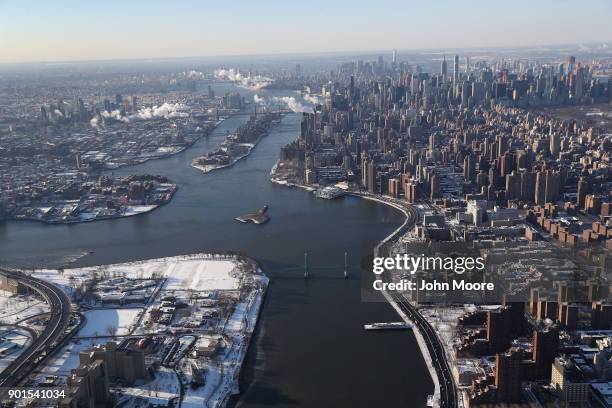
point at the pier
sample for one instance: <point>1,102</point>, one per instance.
<point>388,326</point>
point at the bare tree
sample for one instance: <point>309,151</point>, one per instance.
<point>111,330</point>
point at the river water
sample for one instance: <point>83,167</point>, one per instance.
<point>310,348</point>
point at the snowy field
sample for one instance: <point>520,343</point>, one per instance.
<point>198,275</point>
<point>199,272</point>
<point>67,359</point>
<point>108,322</point>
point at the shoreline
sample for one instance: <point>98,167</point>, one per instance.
<point>393,235</point>
<point>123,166</point>
<point>209,168</point>
<point>105,218</point>
<point>239,326</point>
<point>167,155</point>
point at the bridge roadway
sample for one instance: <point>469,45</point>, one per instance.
<point>247,113</point>
<point>45,343</point>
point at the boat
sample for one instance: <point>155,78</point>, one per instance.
<point>259,217</point>
<point>388,326</point>
<point>346,275</point>
<point>329,193</point>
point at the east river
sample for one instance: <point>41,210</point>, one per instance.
<point>310,348</point>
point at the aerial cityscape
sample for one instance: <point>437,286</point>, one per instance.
<point>247,225</point>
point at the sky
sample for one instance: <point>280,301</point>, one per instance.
<point>60,30</point>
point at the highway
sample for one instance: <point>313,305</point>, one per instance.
<point>448,392</point>
<point>59,318</point>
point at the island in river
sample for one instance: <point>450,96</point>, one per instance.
<point>239,144</point>
<point>93,198</point>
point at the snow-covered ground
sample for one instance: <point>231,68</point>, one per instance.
<point>158,392</point>
<point>108,322</point>
<point>12,343</point>
<point>198,275</point>
<point>16,308</point>
<point>198,272</point>
<point>445,320</point>
<point>222,375</point>
<point>67,359</point>
<point>138,209</point>
<point>203,273</point>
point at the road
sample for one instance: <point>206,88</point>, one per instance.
<point>448,392</point>
<point>59,318</point>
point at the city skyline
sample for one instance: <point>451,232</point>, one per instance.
<point>229,204</point>
<point>48,32</point>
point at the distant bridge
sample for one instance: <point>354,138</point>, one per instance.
<point>278,111</point>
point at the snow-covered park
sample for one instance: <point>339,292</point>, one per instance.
<point>211,296</point>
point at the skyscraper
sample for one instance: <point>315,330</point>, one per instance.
<point>435,187</point>
<point>455,69</point>
<point>513,185</point>
<point>553,185</point>
<point>545,346</point>
<point>579,82</point>
<point>527,186</point>
<point>540,188</point>
<point>581,192</point>
<point>444,68</point>
<point>371,179</point>
<point>555,144</point>
<point>508,375</point>
<point>469,168</point>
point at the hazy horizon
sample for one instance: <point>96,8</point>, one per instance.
<point>448,52</point>
<point>83,31</point>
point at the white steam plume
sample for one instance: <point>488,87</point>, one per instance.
<point>116,114</point>
<point>313,99</point>
<point>295,105</point>
<point>166,111</point>
<point>289,101</point>
<point>193,74</point>
<point>249,82</point>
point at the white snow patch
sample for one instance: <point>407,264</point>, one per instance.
<point>108,322</point>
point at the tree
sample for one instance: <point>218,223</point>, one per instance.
<point>111,330</point>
